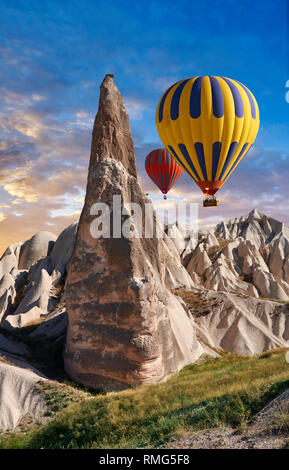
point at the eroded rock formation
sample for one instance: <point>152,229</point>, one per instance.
<point>248,255</point>
<point>125,326</point>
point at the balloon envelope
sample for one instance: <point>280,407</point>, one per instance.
<point>162,169</point>
<point>208,124</point>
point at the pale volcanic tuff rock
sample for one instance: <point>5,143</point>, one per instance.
<point>33,276</point>
<point>37,247</point>
<point>125,327</point>
<point>19,396</point>
<point>28,295</point>
<point>256,227</point>
<point>241,324</point>
<point>219,277</point>
<point>199,261</point>
<point>248,255</point>
<point>7,294</point>
<point>178,236</point>
<point>267,285</point>
<point>62,251</point>
<point>9,259</point>
<point>34,303</point>
<point>176,275</point>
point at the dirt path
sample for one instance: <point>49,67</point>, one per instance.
<point>228,438</point>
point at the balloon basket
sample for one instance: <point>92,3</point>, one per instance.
<point>210,202</point>
<point>165,197</point>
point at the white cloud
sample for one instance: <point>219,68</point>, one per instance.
<point>134,107</point>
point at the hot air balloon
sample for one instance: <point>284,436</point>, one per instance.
<point>162,169</point>
<point>208,124</point>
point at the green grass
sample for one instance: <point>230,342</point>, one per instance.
<point>223,391</point>
<point>61,395</point>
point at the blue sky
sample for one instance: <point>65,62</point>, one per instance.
<point>54,55</point>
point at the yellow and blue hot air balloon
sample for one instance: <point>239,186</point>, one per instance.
<point>208,124</point>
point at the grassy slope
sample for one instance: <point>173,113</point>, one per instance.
<point>227,390</point>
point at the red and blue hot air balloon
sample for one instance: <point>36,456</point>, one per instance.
<point>163,169</point>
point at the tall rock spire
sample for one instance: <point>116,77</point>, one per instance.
<point>111,137</point>
<point>125,327</point>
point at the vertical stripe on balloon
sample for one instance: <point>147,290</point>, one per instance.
<point>187,157</point>
<point>217,146</point>
<point>238,159</point>
<point>217,98</point>
<point>229,157</point>
<point>175,103</point>
<point>173,171</point>
<point>201,158</point>
<point>155,179</point>
<point>238,102</point>
<point>162,103</point>
<point>174,153</point>
<point>195,98</point>
<point>154,154</point>
<point>252,104</point>
<point>176,175</point>
<point>167,179</point>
